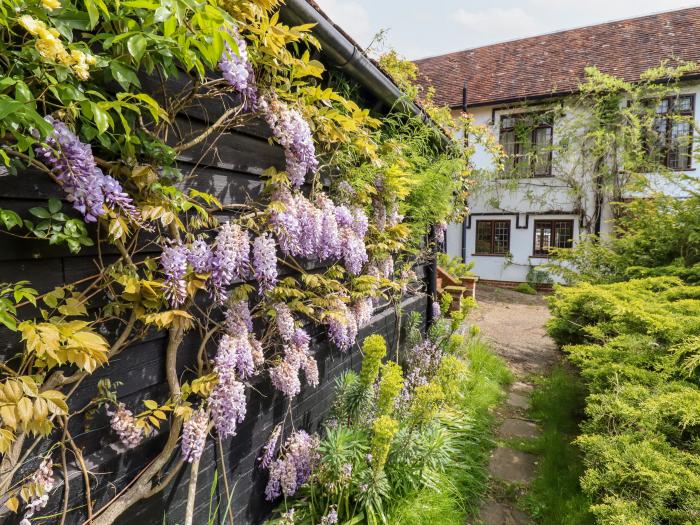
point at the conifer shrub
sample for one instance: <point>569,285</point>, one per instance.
<point>636,344</point>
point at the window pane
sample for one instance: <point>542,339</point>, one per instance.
<point>663,106</point>
<point>501,241</point>
<point>483,237</point>
<point>684,104</point>
<point>680,146</point>
<point>543,237</point>
<point>563,234</point>
<point>542,146</point>
<point>508,122</point>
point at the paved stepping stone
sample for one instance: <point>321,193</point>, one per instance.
<point>519,387</point>
<point>518,401</point>
<point>494,513</point>
<point>512,466</point>
<point>518,428</point>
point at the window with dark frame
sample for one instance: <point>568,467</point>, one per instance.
<point>492,237</point>
<point>672,144</point>
<point>526,139</point>
<point>552,234</point>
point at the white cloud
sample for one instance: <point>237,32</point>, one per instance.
<point>495,24</point>
<point>351,16</point>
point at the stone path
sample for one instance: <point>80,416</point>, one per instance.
<point>514,324</point>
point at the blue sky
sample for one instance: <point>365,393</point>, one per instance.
<point>420,28</point>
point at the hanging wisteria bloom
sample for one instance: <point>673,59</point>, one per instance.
<point>199,257</point>
<point>285,377</point>
<point>227,400</point>
<point>294,135</point>
<point>74,167</point>
<point>238,320</point>
<point>342,326</point>
<point>270,447</point>
<point>363,310</point>
<point>173,261</point>
<point>436,310</point>
<point>42,480</point>
<point>294,466</point>
<point>238,71</point>
<point>230,259</point>
<point>440,230</point>
<point>237,350</point>
<point>265,262</point>
<point>284,321</point>
<point>194,435</point>
<point>124,424</point>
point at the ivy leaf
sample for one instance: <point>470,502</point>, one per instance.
<point>137,47</point>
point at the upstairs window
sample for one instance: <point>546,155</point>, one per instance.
<point>527,141</point>
<point>492,237</point>
<point>552,234</point>
<point>672,144</point>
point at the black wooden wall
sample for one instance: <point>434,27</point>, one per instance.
<point>228,167</point>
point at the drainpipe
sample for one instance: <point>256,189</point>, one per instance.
<point>466,142</point>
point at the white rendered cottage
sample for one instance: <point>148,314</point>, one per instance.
<point>513,225</point>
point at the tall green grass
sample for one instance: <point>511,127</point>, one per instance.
<point>555,496</point>
<point>455,493</point>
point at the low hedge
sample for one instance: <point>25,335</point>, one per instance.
<point>637,344</point>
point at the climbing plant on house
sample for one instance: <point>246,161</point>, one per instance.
<point>608,139</point>
<point>74,105</point>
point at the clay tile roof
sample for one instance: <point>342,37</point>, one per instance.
<point>552,64</point>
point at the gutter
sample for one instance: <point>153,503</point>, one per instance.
<point>347,56</point>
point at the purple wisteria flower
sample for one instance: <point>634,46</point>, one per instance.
<point>440,230</point>
<point>173,261</point>
<point>342,326</point>
<point>236,350</point>
<point>123,422</point>
<point>285,376</point>
<point>42,479</point>
<point>294,134</point>
<point>320,230</point>
<point>265,262</point>
<point>199,256</point>
<point>227,401</point>
<point>363,309</point>
<point>230,259</point>
<point>436,310</point>
<point>294,466</point>
<point>284,321</point>
<point>194,435</point>
<point>73,165</point>
<point>238,71</point>
<point>238,320</point>
<point>270,447</point>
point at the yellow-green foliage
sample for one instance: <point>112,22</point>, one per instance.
<point>636,344</point>
<point>374,350</point>
<point>383,432</point>
<point>427,400</point>
<point>390,387</point>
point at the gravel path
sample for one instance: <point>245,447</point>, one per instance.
<point>514,324</point>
